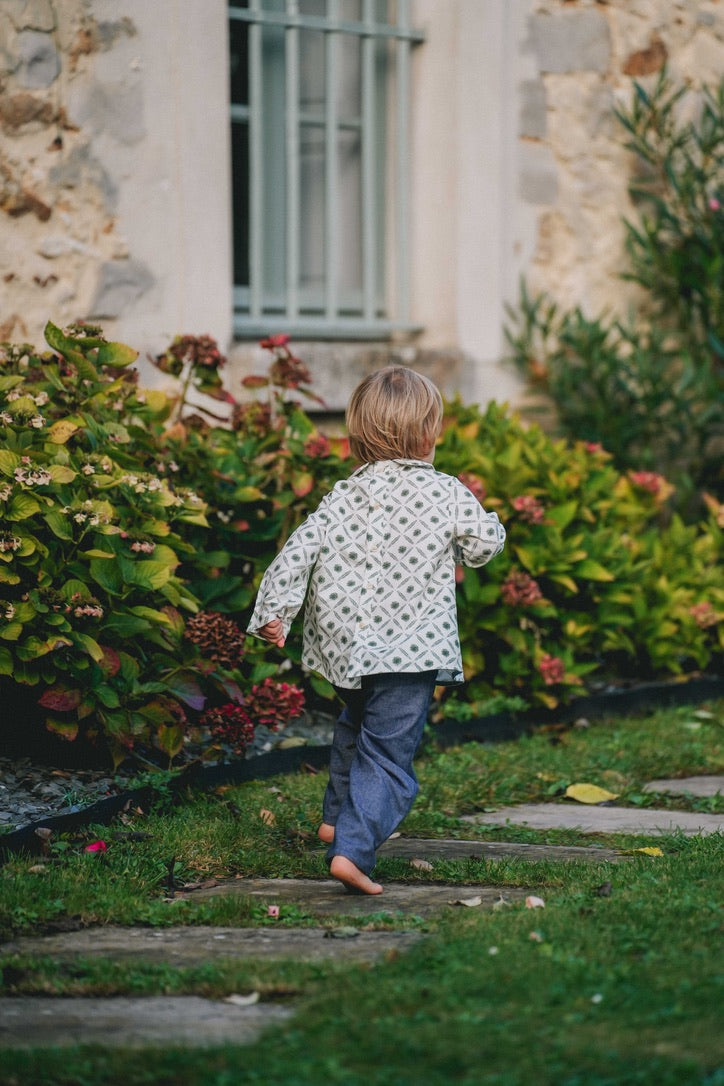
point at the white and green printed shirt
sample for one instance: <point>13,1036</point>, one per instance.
<point>378,557</point>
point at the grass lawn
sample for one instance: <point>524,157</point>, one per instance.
<point>594,989</point>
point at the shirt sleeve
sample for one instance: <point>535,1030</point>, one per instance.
<point>479,535</point>
<point>284,585</point>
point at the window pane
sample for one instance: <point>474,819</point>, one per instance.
<point>311,71</point>
<point>349,257</point>
<point>240,198</point>
<point>349,87</point>
<point>239,62</point>
<point>350,11</point>
<point>313,7</point>
<point>312,243</point>
<point>273,111</point>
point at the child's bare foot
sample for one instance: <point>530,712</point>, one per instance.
<point>350,876</point>
<point>326,833</point>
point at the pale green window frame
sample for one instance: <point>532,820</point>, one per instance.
<point>320,118</point>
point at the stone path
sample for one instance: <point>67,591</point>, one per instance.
<point>27,1021</point>
<point>691,786</point>
<point>34,1022</point>
<point>547,816</point>
<point>446,849</point>
<point>326,898</point>
<point>189,946</point>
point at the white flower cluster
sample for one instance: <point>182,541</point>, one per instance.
<point>31,475</point>
<point>5,418</point>
<point>86,512</point>
<point>184,495</point>
<point>9,542</point>
<point>144,547</point>
<point>5,492</point>
<point>142,484</point>
<point>90,467</point>
<point>8,612</point>
<point>90,609</point>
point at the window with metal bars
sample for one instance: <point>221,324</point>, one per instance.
<point>320,101</point>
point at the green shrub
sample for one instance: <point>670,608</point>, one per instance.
<point>590,585</point>
<point>650,389</point>
<point>90,544</point>
<point>135,533</point>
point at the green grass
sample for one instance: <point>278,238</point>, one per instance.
<point>619,989</point>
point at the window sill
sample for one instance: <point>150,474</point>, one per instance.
<point>245,329</point>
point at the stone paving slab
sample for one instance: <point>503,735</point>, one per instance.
<point>186,946</point>
<point>327,898</point>
<point>548,816</point>
<point>41,1021</point>
<point>688,786</point>
<point>449,849</point>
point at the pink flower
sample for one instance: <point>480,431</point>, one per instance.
<point>96,846</point>
<point>647,480</point>
<point>704,615</point>
<point>229,724</point>
<point>317,446</point>
<point>474,484</point>
<point>520,590</point>
<point>272,703</point>
<point>714,204</point>
<point>552,669</point>
<point>273,911</point>
<point>530,509</point>
<point>279,340</point>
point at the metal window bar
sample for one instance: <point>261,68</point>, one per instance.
<point>330,167</point>
<point>291,44</point>
<point>370,31</point>
<point>369,160</point>
<point>256,168</point>
<point>402,180</point>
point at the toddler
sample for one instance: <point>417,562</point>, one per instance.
<point>376,561</point>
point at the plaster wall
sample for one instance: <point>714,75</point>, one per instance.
<point>114,183</point>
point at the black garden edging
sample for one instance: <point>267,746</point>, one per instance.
<point>491,729</point>
<point>618,702</point>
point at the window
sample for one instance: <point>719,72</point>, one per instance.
<point>320,152</point>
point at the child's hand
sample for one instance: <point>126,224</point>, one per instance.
<point>273,632</point>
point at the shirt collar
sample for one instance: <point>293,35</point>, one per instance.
<point>378,466</point>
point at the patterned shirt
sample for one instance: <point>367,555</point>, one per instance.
<point>378,556</point>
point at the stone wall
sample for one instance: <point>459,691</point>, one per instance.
<point>586,56</point>
<point>114,188</point>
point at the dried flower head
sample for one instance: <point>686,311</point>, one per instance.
<point>229,724</point>
<point>217,637</point>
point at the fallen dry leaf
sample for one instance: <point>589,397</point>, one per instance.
<point>468,902</point>
<point>268,817</point>
<point>590,793</point>
<point>421,865</point>
<point>650,850</point>
<point>533,902</point>
<point>243,1000</point>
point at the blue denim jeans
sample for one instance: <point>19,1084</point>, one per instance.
<point>372,784</point>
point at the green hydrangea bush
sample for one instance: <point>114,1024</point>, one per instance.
<point>135,529</point>
<point>592,586</point>
<point>91,540</point>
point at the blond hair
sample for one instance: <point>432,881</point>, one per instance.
<point>394,413</point>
